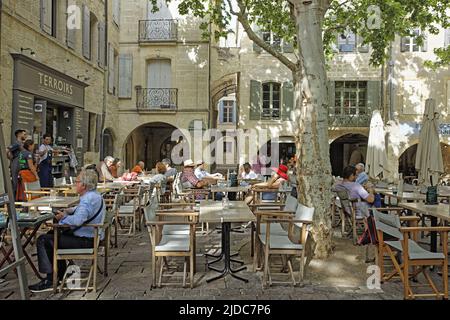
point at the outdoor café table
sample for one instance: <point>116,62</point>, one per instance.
<point>26,224</point>
<point>435,212</point>
<point>408,196</point>
<point>56,202</point>
<point>213,212</point>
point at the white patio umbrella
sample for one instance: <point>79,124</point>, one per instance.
<point>429,155</point>
<point>376,159</point>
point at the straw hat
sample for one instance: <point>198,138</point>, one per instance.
<point>188,163</point>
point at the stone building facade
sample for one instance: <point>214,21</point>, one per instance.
<point>55,71</point>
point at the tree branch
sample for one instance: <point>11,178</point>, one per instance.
<point>243,19</point>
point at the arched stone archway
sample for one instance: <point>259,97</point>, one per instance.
<point>151,142</point>
<point>407,160</point>
<point>348,149</point>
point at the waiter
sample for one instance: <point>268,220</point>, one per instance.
<point>45,153</point>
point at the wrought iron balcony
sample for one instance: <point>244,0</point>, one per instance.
<point>158,30</point>
<point>157,99</point>
<point>348,120</point>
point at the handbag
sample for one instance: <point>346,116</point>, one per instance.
<point>71,232</point>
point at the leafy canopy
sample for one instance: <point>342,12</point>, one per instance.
<point>377,22</point>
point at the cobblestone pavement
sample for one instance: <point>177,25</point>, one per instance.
<point>341,277</point>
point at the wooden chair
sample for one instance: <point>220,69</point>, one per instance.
<point>289,206</point>
<point>287,245</point>
<point>130,207</point>
<point>395,240</point>
<point>60,182</point>
<point>79,254</point>
<point>347,208</point>
<point>168,238</point>
<point>33,190</point>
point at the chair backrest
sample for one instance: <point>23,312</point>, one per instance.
<point>58,182</point>
<point>177,185</point>
<point>408,187</point>
<point>291,203</point>
<point>344,200</point>
<point>303,213</point>
<point>32,186</point>
<point>150,210</point>
<point>387,223</point>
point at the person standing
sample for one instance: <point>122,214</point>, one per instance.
<point>13,155</point>
<point>27,169</point>
<point>45,153</point>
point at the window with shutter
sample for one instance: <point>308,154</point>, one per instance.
<point>288,101</point>
<point>101,44</point>
<point>86,32</point>
<point>255,99</point>
<point>347,42</point>
<point>48,16</point>
<point>125,75</point>
<point>411,44</point>
<point>71,34</point>
<point>111,69</point>
<point>271,97</point>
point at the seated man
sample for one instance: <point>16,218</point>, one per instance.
<point>361,176</point>
<point>356,191</point>
<point>201,173</point>
<point>139,168</point>
<point>247,173</point>
<point>188,177</point>
<point>90,210</point>
<point>105,169</point>
<point>170,171</point>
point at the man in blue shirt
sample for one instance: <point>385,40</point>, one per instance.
<point>91,210</point>
<point>361,176</point>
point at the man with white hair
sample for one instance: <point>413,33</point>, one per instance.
<point>361,176</point>
<point>91,210</point>
<point>105,169</point>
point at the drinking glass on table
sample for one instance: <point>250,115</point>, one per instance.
<point>53,194</point>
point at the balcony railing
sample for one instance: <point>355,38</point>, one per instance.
<point>348,120</point>
<point>158,30</point>
<point>157,99</point>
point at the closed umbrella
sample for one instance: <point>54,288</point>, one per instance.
<point>376,159</point>
<point>429,155</point>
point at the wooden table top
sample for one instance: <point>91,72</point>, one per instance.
<point>212,211</point>
<point>57,202</point>
<point>440,210</point>
<point>410,195</point>
<point>229,189</point>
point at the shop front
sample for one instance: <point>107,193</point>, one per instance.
<point>48,101</point>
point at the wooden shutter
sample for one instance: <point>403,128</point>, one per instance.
<point>331,94</point>
<point>288,101</point>
<point>373,95</point>
<point>46,16</point>
<point>234,111</point>
<point>221,105</point>
<point>85,132</point>
<point>255,99</point>
<point>364,48</point>
<point>86,32</point>
<point>424,46</point>
<point>125,75</point>
<point>101,44</point>
<point>404,44</point>
<point>71,33</point>
<point>111,76</point>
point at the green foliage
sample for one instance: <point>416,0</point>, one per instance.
<point>377,22</point>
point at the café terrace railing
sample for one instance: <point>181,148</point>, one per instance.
<point>157,99</point>
<point>163,30</point>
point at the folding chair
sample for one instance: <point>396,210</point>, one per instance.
<point>33,190</point>
<point>129,206</point>
<point>169,238</point>
<point>79,254</point>
<point>395,240</point>
<point>347,208</point>
<point>287,245</point>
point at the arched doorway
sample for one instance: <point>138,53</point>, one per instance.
<point>107,144</point>
<point>280,150</point>
<point>150,143</point>
<point>407,160</point>
<point>349,149</point>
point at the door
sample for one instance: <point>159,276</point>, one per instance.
<point>159,82</point>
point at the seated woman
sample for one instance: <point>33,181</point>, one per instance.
<point>279,177</point>
<point>160,177</point>
<point>27,169</point>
